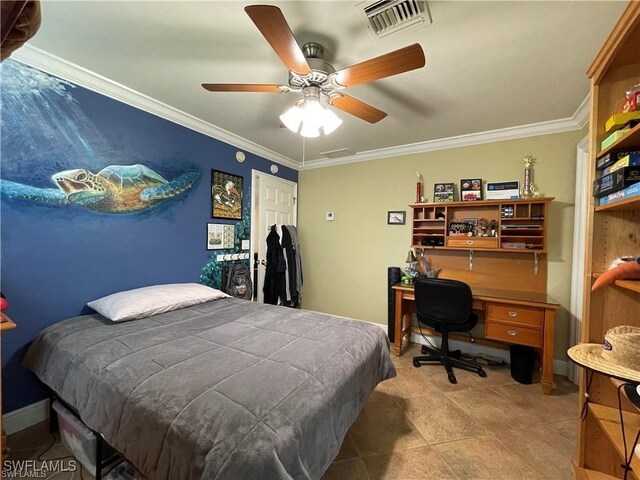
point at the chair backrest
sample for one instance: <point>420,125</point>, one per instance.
<point>442,301</point>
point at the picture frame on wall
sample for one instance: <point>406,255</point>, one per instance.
<point>226,195</point>
<point>442,192</point>
<point>396,217</point>
<point>220,236</point>
<point>470,189</point>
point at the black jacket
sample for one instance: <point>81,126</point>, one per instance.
<point>274,282</point>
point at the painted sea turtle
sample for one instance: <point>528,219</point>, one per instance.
<point>114,189</point>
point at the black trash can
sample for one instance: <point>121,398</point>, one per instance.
<point>522,363</point>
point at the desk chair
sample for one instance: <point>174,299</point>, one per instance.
<point>445,306</point>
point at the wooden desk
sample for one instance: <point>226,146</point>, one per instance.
<point>510,317</point>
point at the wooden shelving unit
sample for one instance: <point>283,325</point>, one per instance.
<point>611,232</point>
<point>431,223</point>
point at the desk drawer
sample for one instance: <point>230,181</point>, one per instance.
<point>473,242</point>
<point>531,337</point>
<point>516,314</point>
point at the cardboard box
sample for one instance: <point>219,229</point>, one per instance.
<point>614,137</point>
<point>619,120</point>
<point>503,190</point>
<point>631,160</point>
<point>616,181</point>
<point>629,192</point>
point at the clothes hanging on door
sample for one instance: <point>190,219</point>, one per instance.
<point>274,279</point>
<point>296,278</point>
<point>283,277</point>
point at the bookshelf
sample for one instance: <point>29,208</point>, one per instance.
<point>612,231</point>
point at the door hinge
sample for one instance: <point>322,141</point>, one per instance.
<point>294,200</point>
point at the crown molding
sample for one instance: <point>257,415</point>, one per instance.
<point>582,113</point>
<point>54,65</point>
<point>578,120</point>
<point>66,70</point>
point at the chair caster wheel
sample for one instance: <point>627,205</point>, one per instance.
<point>416,363</point>
<point>424,350</point>
<point>482,373</point>
<point>453,379</point>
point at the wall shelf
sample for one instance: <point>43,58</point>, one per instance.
<point>608,418</point>
<point>632,203</point>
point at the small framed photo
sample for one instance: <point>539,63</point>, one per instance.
<point>470,189</point>
<point>396,218</point>
<point>442,192</point>
<point>226,195</point>
<point>220,236</point>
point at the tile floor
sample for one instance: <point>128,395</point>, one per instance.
<point>419,426</point>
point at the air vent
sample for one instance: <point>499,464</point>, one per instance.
<point>342,152</point>
<point>389,16</point>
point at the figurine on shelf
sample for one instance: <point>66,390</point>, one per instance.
<point>484,225</point>
<point>494,228</point>
<point>528,189</point>
<point>410,273</point>
<point>419,188</point>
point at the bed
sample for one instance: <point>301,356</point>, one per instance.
<point>228,389</point>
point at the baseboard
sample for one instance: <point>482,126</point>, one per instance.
<point>25,417</point>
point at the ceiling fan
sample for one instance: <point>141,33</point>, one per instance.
<point>316,80</point>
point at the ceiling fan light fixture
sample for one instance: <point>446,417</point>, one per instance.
<point>309,130</point>
<point>292,118</point>
<point>309,116</point>
<point>330,121</point>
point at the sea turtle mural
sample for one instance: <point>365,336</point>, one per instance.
<point>114,189</point>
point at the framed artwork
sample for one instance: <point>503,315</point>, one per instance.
<point>470,189</point>
<point>220,236</point>
<point>396,218</point>
<point>443,192</point>
<point>226,195</point>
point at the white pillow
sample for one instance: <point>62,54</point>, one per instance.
<point>147,301</point>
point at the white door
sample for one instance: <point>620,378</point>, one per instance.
<point>274,203</point>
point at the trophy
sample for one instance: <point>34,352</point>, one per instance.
<point>528,189</point>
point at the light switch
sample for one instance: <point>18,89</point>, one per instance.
<point>246,244</point>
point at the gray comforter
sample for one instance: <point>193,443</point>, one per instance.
<point>228,389</point>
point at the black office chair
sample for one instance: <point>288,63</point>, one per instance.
<point>445,306</point>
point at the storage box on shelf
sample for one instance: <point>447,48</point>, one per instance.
<point>611,232</point>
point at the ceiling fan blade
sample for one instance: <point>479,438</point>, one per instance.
<point>242,87</point>
<point>393,63</point>
<point>275,29</point>
<point>357,108</point>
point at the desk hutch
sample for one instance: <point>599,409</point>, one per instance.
<point>612,231</point>
<point>507,272</point>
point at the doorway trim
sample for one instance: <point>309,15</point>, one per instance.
<point>579,248</point>
<point>255,202</point>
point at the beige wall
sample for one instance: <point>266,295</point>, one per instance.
<point>346,260</point>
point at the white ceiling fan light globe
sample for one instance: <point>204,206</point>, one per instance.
<point>292,118</point>
<point>330,121</point>
<point>310,130</point>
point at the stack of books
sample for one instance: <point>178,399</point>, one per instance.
<point>618,176</point>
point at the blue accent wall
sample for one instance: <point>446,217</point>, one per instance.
<point>56,258</point>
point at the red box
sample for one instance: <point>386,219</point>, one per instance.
<point>633,101</point>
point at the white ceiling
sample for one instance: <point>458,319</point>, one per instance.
<point>490,65</point>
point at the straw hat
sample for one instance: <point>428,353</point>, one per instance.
<point>618,356</point>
